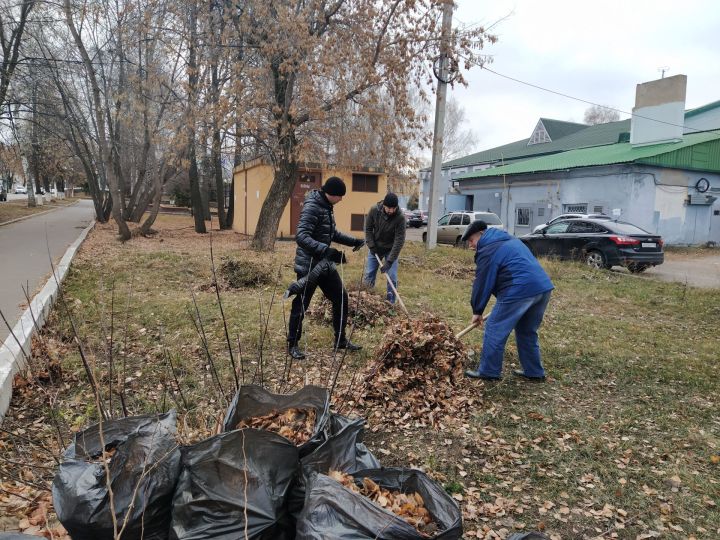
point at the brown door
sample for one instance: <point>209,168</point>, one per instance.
<point>305,182</point>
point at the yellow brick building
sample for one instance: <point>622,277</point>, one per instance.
<point>365,187</point>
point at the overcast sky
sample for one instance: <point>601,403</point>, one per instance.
<point>597,51</point>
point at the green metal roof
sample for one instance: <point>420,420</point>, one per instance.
<point>559,128</point>
<point>589,136</point>
<point>564,135</point>
<point>700,151</point>
<point>704,108</point>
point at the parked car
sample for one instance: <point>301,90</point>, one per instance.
<point>571,215</point>
<point>415,219</point>
<point>20,190</point>
<point>600,243</point>
<point>452,226</point>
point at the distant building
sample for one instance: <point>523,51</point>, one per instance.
<point>659,170</point>
<point>365,187</point>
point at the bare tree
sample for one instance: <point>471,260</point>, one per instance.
<point>597,114</point>
<point>457,140</point>
<point>13,20</point>
<point>316,57</point>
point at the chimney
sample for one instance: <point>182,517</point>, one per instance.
<point>659,111</point>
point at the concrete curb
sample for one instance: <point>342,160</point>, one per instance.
<point>36,215</point>
<point>15,349</point>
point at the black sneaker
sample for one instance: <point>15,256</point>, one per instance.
<point>474,374</point>
<point>295,353</point>
<point>349,345</point>
<point>521,373</point>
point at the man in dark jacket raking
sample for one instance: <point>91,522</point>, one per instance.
<point>315,231</point>
<point>384,236</point>
<point>507,269</point>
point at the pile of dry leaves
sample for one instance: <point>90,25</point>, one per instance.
<point>416,373</point>
<point>410,507</point>
<point>456,270</point>
<point>238,274</point>
<point>365,308</point>
<point>296,425</point>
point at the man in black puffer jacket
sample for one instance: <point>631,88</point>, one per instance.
<point>315,231</point>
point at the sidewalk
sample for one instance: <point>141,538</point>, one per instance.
<point>25,250</point>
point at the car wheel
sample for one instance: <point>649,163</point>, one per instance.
<point>596,259</point>
<point>637,268</point>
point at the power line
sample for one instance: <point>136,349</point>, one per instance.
<point>568,96</point>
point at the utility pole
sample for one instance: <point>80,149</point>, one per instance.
<point>443,76</point>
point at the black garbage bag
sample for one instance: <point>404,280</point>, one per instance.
<point>234,486</point>
<point>332,511</point>
<point>252,400</point>
<point>343,450</point>
<point>143,472</point>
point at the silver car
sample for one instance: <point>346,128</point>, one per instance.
<point>452,226</point>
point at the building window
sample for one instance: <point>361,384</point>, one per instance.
<point>523,216</point>
<point>598,209</point>
<point>357,222</point>
<point>575,208</point>
<point>365,182</point>
<point>541,212</point>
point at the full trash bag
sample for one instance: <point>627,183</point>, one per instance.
<point>234,486</point>
<point>252,400</point>
<point>343,450</point>
<point>332,511</point>
<point>144,468</point>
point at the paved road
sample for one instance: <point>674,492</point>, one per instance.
<point>695,271</point>
<point>24,254</point>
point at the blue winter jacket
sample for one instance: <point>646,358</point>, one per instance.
<point>507,269</point>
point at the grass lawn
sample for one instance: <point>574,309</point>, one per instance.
<point>10,210</point>
<point>623,441</point>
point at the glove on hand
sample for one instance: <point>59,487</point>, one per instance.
<point>386,266</point>
<point>335,256</point>
<point>358,244</point>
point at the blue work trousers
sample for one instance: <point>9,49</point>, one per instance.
<point>524,316</point>
<point>371,268</point>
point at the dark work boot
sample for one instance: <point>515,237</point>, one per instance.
<point>347,344</point>
<point>295,353</point>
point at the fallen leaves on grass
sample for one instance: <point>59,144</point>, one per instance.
<point>365,309</point>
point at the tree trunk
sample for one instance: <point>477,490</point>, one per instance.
<point>115,194</point>
<point>219,184</point>
<point>274,204</point>
<point>192,104</point>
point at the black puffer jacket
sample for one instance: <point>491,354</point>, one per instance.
<point>315,231</point>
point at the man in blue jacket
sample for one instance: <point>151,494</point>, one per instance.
<point>508,270</point>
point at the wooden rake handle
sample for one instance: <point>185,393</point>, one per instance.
<point>474,325</point>
<point>392,286</point>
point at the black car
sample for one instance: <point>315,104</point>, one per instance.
<point>415,219</point>
<point>600,243</point>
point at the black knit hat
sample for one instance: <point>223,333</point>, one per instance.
<point>476,226</point>
<point>390,200</point>
<point>334,186</point>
